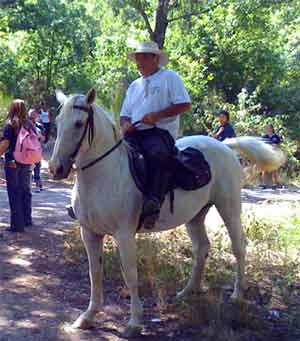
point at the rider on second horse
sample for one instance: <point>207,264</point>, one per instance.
<point>156,99</point>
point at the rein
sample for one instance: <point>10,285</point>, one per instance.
<point>89,127</point>
<point>90,164</point>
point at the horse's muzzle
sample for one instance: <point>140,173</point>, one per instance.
<point>59,171</point>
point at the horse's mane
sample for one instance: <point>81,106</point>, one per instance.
<point>109,118</point>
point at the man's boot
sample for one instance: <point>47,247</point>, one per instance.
<point>159,185</point>
<point>150,214</point>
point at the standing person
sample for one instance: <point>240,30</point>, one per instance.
<point>45,119</point>
<point>18,176</point>
<point>225,129</point>
<point>40,132</point>
<point>156,99</point>
<point>272,138</point>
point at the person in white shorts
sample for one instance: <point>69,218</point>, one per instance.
<point>45,119</point>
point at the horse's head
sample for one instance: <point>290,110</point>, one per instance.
<point>74,131</point>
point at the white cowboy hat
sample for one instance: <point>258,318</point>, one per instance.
<point>149,47</point>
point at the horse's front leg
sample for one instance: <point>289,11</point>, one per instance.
<point>127,248</point>
<point>94,247</point>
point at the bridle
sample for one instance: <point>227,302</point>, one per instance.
<point>89,129</point>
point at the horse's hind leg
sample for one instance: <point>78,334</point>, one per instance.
<point>200,247</point>
<point>94,247</point>
<point>230,211</point>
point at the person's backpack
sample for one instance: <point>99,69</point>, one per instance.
<point>28,149</point>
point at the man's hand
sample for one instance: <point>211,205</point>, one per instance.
<point>127,127</point>
<point>220,131</point>
<point>151,118</point>
<point>4,144</point>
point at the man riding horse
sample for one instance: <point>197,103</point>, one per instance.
<point>156,100</point>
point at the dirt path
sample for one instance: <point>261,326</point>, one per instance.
<point>31,275</point>
<point>40,293</point>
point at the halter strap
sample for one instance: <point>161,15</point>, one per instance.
<point>81,107</point>
<point>89,126</point>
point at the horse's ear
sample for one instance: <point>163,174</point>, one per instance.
<point>60,96</point>
<point>91,96</point>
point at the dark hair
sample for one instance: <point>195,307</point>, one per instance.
<point>225,113</point>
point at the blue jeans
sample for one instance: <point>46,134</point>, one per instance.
<point>18,182</point>
<point>158,148</point>
<point>37,172</point>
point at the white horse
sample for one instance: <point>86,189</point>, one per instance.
<point>106,200</point>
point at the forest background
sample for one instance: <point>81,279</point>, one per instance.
<point>240,55</point>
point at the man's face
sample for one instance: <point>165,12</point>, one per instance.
<point>222,119</point>
<point>147,63</point>
<point>269,130</point>
<point>34,116</point>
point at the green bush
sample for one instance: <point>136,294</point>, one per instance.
<point>5,101</point>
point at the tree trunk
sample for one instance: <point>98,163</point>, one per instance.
<point>161,23</point>
<point>161,20</point>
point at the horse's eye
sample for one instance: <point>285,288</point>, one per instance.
<point>78,124</point>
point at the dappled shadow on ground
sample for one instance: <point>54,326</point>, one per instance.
<point>41,293</point>
<point>33,276</point>
<point>28,303</point>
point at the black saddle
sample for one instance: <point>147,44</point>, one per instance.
<point>191,170</point>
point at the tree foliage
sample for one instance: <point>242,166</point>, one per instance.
<point>220,48</point>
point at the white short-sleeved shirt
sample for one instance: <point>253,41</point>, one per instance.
<point>44,116</point>
<point>155,93</point>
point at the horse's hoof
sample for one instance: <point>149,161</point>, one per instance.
<point>132,332</point>
<point>82,323</point>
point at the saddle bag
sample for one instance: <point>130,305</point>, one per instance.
<point>192,170</point>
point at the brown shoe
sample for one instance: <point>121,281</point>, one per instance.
<point>71,212</point>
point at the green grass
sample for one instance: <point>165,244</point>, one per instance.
<point>289,235</point>
<point>165,259</point>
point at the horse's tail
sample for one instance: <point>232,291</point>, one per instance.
<point>256,150</point>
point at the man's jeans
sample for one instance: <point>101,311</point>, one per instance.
<point>158,149</point>
<point>18,181</point>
